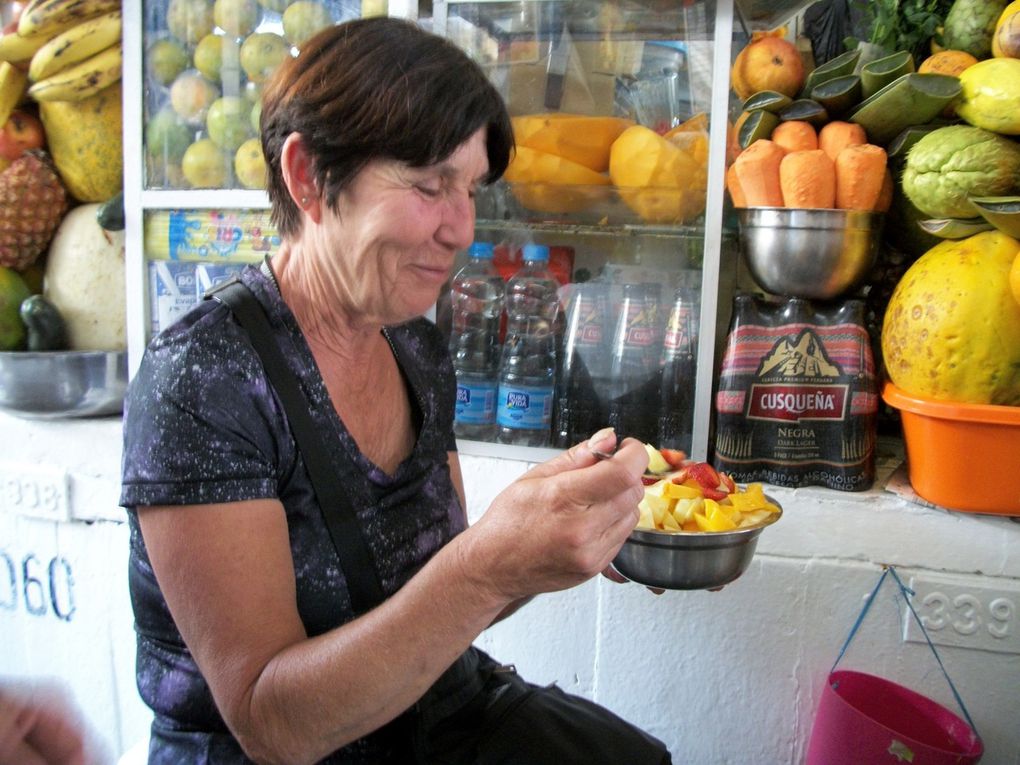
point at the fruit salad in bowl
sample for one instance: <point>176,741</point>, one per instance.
<point>697,528</point>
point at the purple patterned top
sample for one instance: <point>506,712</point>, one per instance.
<point>202,426</point>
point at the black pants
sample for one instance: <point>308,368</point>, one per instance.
<point>513,722</point>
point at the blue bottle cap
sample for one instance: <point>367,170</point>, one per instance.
<point>480,250</point>
<point>535,252</point>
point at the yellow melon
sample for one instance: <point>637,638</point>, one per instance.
<point>952,328</point>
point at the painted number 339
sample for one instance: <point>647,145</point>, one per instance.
<point>966,614</point>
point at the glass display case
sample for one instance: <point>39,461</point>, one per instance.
<point>195,203</point>
<point>622,116</point>
<point>618,171</point>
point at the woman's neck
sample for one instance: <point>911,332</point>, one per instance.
<point>327,323</point>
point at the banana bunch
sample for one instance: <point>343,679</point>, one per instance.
<point>70,48</point>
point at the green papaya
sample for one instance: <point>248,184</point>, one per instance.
<point>970,26</point>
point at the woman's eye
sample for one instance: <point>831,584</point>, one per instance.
<point>429,191</point>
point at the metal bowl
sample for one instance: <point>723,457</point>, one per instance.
<point>689,560</point>
<point>815,254</point>
<point>56,384</point>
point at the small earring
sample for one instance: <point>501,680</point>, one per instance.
<point>304,201</point>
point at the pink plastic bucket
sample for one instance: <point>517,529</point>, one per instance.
<point>866,719</point>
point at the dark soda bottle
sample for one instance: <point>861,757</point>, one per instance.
<point>584,364</point>
<point>634,368</point>
<point>679,367</point>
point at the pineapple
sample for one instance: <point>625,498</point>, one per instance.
<point>33,201</point>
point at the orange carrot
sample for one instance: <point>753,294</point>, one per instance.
<point>860,175</point>
<point>885,196</point>
<point>808,180</point>
<point>733,186</point>
<point>836,136</point>
<point>757,171</point>
<point>795,135</point>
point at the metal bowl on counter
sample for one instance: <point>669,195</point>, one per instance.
<point>690,560</point>
<point>58,384</point>
<point>814,254</point>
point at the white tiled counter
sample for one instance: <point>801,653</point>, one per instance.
<point>726,677</point>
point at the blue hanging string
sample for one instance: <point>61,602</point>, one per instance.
<point>907,593</point>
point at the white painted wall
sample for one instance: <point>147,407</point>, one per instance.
<point>727,677</point>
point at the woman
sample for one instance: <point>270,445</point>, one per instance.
<point>376,138</point>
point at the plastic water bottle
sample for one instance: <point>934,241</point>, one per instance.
<point>476,306</point>
<point>527,374</point>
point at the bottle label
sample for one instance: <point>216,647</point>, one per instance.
<point>476,403</point>
<point>525,407</point>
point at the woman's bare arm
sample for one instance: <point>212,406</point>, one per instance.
<point>227,575</point>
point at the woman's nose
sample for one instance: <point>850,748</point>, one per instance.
<point>457,229</point>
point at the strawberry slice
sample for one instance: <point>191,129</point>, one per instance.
<point>716,494</point>
<point>704,474</point>
<point>650,480</point>
<point>675,457</point>
<point>681,475</point>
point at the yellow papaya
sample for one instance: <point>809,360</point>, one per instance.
<point>549,183</point>
<point>952,329</point>
<point>85,140</point>
<point>658,180</point>
<point>579,138</point>
<point>1006,38</point>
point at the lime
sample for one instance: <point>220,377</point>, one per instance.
<point>216,56</point>
<point>261,53</point>
<point>166,136</point>
<point>191,95</point>
<point>256,116</point>
<point>253,91</point>
<point>236,17</point>
<point>167,59</point>
<point>13,290</point>
<point>189,20</point>
<point>250,165</point>
<point>303,19</point>
<point>228,121</point>
<point>205,166</point>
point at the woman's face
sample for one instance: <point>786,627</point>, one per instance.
<point>393,244</point>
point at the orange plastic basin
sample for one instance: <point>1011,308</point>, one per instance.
<point>961,456</point>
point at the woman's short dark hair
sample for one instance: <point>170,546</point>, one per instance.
<point>376,88</point>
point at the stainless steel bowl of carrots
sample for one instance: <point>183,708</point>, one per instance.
<point>819,254</point>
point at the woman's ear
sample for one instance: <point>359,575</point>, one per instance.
<point>298,171</point>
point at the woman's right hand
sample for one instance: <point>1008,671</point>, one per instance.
<point>559,524</point>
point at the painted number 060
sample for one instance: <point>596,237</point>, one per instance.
<point>39,587</point>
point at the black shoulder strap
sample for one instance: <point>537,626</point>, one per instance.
<point>345,531</point>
